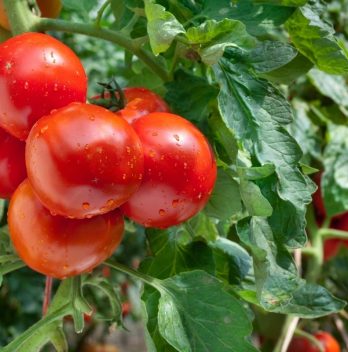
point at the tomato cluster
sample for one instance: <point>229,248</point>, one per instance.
<point>73,169</point>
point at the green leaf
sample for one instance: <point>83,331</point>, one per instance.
<point>282,2</point>
<point>162,27</point>
<point>225,200</point>
<point>186,323</point>
<point>213,37</point>
<point>334,87</point>
<point>256,172</point>
<point>315,39</point>
<point>190,96</point>
<point>83,7</point>
<point>335,178</point>
<point>296,68</point>
<point>279,289</point>
<point>258,114</point>
<point>260,20</point>
<point>271,55</point>
<point>216,10</point>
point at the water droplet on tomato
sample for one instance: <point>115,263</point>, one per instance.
<point>175,203</point>
<point>162,212</point>
<point>85,205</point>
<point>176,137</point>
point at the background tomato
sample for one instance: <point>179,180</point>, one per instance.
<point>37,74</point>
<point>56,246</point>
<point>300,344</point>
<point>332,246</point>
<point>12,164</point>
<point>180,171</point>
<point>48,8</point>
<point>82,160</point>
<point>140,102</point>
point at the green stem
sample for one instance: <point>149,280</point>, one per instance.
<point>327,233</point>
<point>309,251</point>
<point>125,269</point>
<point>9,267</point>
<point>310,338</point>
<point>8,258</point>
<point>46,24</point>
<point>101,13</point>
<point>49,318</point>
<point>19,15</point>
<point>283,342</point>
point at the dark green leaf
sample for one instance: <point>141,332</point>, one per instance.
<point>282,2</point>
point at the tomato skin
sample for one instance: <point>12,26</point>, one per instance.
<point>139,102</point>
<point>12,164</point>
<point>37,74</point>
<point>83,161</point>
<point>180,171</point>
<point>300,344</point>
<point>56,246</point>
<point>48,8</point>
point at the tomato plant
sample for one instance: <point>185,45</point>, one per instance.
<point>224,154</point>
<point>12,164</point>
<point>82,160</point>
<point>56,246</point>
<point>172,147</point>
<point>54,78</point>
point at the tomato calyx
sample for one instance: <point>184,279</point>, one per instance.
<point>112,96</point>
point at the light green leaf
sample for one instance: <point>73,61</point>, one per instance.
<point>315,39</point>
<point>282,2</point>
<point>162,27</point>
<point>279,288</point>
<point>213,37</point>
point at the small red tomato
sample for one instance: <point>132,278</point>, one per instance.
<point>332,246</point>
<point>300,344</point>
<point>83,161</point>
<point>126,309</point>
<point>56,246</point>
<point>180,171</point>
<point>12,164</point>
<point>37,74</point>
<point>318,201</point>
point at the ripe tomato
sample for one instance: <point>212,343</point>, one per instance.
<point>48,8</point>
<point>83,161</point>
<point>318,203</point>
<point>300,344</point>
<point>180,171</point>
<point>37,74</point>
<point>332,246</point>
<point>12,164</point>
<point>139,102</point>
<point>56,246</point>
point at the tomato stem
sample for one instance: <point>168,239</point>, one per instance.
<point>47,24</point>
<point>47,295</point>
<point>326,233</point>
<point>101,12</point>
<point>287,333</point>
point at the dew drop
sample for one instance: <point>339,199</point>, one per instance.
<point>176,137</point>
<point>85,205</point>
<point>175,203</point>
<point>162,212</point>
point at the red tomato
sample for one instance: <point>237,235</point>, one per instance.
<point>332,246</point>
<point>180,171</point>
<point>300,344</point>
<point>48,8</point>
<point>56,246</point>
<point>126,309</point>
<point>12,164</point>
<point>37,74</point>
<point>139,102</point>
<point>82,161</point>
<point>318,201</point>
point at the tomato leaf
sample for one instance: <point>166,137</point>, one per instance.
<point>279,288</point>
<point>335,178</point>
<point>315,39</point>
<point>282,2</point>
<point>185,322</point>
<point>162,27</point>
<point>258,114</point>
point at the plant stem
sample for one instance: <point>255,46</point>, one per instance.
<point>19,15</point>
<point>310,338</point>
<point>143,277</point>
<point>101,12</point>
<point>47,295</point>
<point>47,24</point>
<point>327,233</point>
<point>287,333</point>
